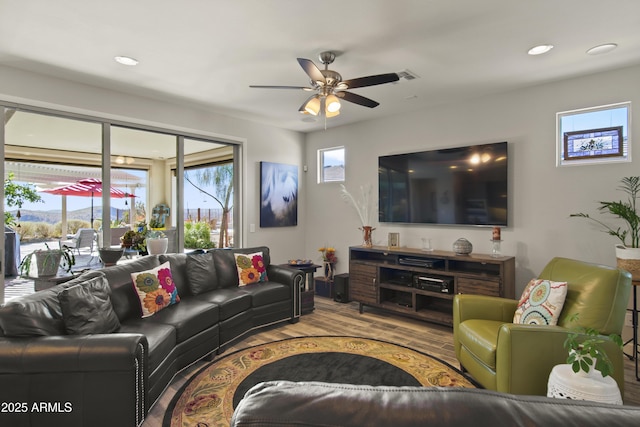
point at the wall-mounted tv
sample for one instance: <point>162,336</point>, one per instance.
<point>455,186</point>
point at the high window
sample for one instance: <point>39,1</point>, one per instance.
<point>331,165</point>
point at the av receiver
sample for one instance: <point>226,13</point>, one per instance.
<point>420,262</point>
<point>433,284</point>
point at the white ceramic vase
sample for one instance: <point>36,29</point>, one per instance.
<point>157,246</point>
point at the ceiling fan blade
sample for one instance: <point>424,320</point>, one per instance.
<point>281,87</point>
<point>312,70</point>
<point>357,99</point>
<point>378,79</point>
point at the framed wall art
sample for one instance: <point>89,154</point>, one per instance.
<point>278,195</point>
<point>594,135</point>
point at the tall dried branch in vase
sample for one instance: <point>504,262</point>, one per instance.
<point>363,206</point>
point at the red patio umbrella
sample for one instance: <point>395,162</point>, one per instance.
<point>87,188</point>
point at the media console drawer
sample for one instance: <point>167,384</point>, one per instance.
<point>466,285</point>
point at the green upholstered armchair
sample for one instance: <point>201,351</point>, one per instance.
<point>518,359</point>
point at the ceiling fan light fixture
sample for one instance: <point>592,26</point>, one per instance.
<point>330,114</point>
<point>333,104</point>
<point>313,106</point>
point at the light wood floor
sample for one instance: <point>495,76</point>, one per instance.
<point>332,318</point>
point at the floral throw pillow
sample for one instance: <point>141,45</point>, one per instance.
<point>156,289</point>
<point>251,268</point>
<point>541,303</point>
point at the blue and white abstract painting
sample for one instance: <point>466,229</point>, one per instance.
<point>279,195</point>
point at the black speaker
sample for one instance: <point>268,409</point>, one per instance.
<point>341,288</point>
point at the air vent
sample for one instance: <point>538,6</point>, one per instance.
<point>408,75</point>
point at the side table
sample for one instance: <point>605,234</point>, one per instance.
<point>634,321</point>
<point>307,305</point>
<point>566,384</point>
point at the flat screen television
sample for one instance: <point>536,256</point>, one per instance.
<point>455,186</point>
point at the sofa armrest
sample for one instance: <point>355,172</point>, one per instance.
<point>293,278</point>
<point>526,354</point>
<point>483,307</point>
<point>68,353</point>
<point>285,275</point>
<point>80,375</point>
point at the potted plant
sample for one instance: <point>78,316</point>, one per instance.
<point>156,242</point>
<point>628,252</point>
<point>133,239</point>
<point>586,351</point>
<point>48,261</point>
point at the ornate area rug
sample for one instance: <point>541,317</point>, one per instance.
<point>210,395</point>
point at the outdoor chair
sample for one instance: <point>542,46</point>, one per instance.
<point>84,238</point>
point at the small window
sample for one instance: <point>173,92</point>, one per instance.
<point>331,165</point>
<point>594,135</point>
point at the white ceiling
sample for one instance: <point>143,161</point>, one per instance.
<point>206,53</point>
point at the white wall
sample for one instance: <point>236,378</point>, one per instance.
<point>541,195</point>
<point>260,142</point>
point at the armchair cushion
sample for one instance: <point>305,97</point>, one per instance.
<point>541,302</point>
<point>480,337</point>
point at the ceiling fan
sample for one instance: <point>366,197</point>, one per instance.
<point>330,87</point>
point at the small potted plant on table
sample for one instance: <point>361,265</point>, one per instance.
<point>48,261</point>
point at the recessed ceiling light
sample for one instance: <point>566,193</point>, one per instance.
<point>539,50</point>
<point>126,60</point>
<point>603,48</point>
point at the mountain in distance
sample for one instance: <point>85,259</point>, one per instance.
<point>55,215</point>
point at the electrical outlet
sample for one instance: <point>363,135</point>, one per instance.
<point>628,319</point>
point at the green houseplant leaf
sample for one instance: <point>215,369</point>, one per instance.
<point>586,350</point>
<point>625,210</point>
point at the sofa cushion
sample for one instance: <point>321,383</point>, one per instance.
<point>37,314</point>
<point>251,268</point>
<point>231,301</point>
<point>267,293</point>
<point>155,289</point>
<point>86,308</point>
<point>541,302</point>
<point>189,318</point>
<point>480,337</point>
<point>201,272</point>
<point>160,336</point>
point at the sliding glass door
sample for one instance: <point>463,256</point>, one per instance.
<point>49,153</point>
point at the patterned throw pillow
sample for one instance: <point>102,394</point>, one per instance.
<point>156,289</point>
<point>251,268</point>
<point>541,303</point>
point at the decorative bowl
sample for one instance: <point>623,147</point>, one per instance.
<point>300,262</point>
<point>462,246</point>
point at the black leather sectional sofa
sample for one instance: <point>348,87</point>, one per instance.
<point>50,377</point>
<point>279,403</point>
